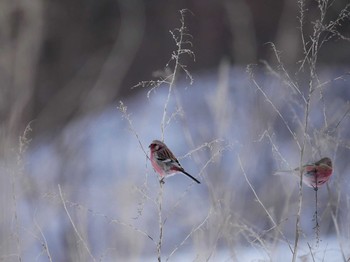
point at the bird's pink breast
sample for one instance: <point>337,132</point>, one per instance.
<point>156,166</point>
<point>317,175</point>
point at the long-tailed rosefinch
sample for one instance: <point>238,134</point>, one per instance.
<point>164,162</point>
<point>315,174</point>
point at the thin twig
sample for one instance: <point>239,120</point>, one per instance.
<point>178,35</point>
<point>317,225</point>
<point>274,147</point>
<point>123,108</point>
<point>312,254</point>
<point>44,241</point>
<point>261,203</point>
<point>109,219</point>
<point>336,226</point>
<point>274,107</point>
<point>73,225</point>
<point>189,235</point>
<point>160,221</point>
<point>23,144</point>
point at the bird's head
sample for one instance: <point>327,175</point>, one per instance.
<point>325,161</point>
<point>156,145</point>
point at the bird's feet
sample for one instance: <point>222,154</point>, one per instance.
<point>161,181</point>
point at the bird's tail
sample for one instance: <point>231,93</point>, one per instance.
<point>187,174</point>
<point>282,172</point>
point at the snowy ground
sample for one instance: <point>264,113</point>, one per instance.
<point>111,187</point>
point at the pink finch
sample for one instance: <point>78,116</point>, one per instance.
<point>315,174</point>
<point>164,162</point>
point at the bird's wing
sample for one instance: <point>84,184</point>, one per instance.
<point>166,156</point>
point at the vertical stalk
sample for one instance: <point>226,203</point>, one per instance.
<point>160,220</point>
<point>306,125</point>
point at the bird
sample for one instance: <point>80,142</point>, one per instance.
<point>315,174</point>
<point>164,162</point>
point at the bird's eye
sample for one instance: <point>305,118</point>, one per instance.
<point>156,147</point>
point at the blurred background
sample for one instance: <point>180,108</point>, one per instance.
<point>65,65</point>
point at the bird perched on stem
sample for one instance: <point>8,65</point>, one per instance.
<point>314,174</point>
<point>164,162</point>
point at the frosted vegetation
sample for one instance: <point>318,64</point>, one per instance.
<point>92,195</point>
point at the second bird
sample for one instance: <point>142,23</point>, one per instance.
<point>314,174</point>
<point>318,173</point>
<point>164,162</point>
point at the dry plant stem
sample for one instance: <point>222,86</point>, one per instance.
<point>317,226</point>
<point>189,234</point>
<point>179,35</point>
<point>16,219</point>
<point>274,108</point>
<point>342,118</point>
<point>312,254</point>
<point>262,205</point>
<point>286,77</point>
<point>215,238</point>
<point>160,220</point>
<point>311,50</point>
<point>313,76</point>
<point>176,57</point>
<point>123,109</point>
<point>216,154</point>
<point>338,236</point>
<point>24,141</point>
<point>73,225</point>
<point>109,220</point>
<point>276,150</point>
<point>311,55</point>
<point>203,146</point>
<point>257,238</point>
<point>274,147</point>
<point>300,197</point>
<point>311,58</point>
<point>336,225</point>
<point>167,102</point>
<point>311,47</point>
<point>43,241</point>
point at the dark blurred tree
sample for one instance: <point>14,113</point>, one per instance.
<point>61,59</point>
